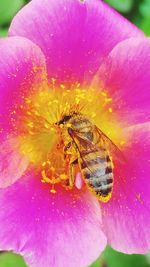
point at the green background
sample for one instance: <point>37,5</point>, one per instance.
<point>138,11</point>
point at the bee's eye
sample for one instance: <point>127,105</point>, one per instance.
<point>65,119</point>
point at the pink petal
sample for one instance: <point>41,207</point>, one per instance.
<point>62,229</point>
<point>126,217</point>
<point>22,67</point>
<point>125,75</point>
<point>74,35</point>
<point>12,163</point>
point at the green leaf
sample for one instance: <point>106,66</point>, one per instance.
<point>121,5</point>
<point>8,8</point>
<point>145,25</point>
<point>144,8</point>
<point>117,259</point>
<point>3,32</point>
<point>8,259</point>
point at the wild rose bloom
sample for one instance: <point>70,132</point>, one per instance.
<point>62,55</point>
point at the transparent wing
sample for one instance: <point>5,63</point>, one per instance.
<point>101,144</point>
<point>110,145</point>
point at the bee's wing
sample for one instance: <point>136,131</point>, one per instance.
<point>112,147</point>
<point>102,141</point>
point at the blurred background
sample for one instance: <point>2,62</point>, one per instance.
<point>137,11</point>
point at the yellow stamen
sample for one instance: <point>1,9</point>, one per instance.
<point>43,140</point>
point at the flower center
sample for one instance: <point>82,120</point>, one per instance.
<point>41,139</point>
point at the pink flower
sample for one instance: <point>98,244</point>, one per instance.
<point>62,55</point>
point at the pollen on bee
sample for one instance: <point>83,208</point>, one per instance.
<point>105,199</point>
<point>68,125</point>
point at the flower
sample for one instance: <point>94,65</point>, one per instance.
<point>65,55</point>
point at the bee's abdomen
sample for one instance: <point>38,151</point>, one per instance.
<point>102,184</point>
<point>98,174</point>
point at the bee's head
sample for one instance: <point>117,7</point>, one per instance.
<point>65,118</point>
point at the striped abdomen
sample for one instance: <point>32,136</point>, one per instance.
<point>97,170</point>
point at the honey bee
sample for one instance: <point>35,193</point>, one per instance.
<point>87,146</point>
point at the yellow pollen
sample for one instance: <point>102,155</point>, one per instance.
<point>110,110</point>
<point>109,99</point>
<point>36,113</point>
<point>77,100</point>
<point>46,125</point>
<point>45,178</point>
<point>122,143</point>
<point>28,101</point>
<point>30,124</point>
<point>62,86</point>
<point>53,191</point>
<point>52,129</point>
<point>52,169</point>
<point>63,176</point>
<point>44,164</point>
<point>93,115</point>
<point>31,133</point>
<point>103,93</point>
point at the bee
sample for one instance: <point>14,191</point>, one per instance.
<point>87,146</point>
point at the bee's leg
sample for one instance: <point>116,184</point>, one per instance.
<point>72,173</point>
<point>66,148</point>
